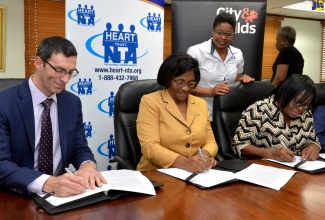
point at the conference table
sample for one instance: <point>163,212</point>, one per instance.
<point>302,197</point>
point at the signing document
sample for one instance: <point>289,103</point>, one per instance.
<point>306,165</point>
<point>266,176</point>
<point>123,180</point>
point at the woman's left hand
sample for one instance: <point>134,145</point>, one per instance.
<point>246,78</point>
<point>213,162</point>
<point>311,152</point>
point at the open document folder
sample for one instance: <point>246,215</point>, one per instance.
<point>266,176</point>
<point>123,180</point>
<point>315,166</point>
<point>119,183</point>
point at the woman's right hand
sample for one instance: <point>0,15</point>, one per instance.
<point>220,89</point>
<point>193,164</point>
<point>282,154</point>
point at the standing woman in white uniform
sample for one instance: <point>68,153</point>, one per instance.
<point>219,62</point>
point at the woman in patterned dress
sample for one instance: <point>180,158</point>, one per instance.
<point>281,125</point>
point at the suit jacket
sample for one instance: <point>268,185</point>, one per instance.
<point>319,124</point>
<point>17,136</point>
<point>164,134</point>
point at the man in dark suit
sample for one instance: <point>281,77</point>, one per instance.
<point>20,128</point>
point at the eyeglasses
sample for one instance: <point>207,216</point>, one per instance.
<point>180,83</point>
<point>228,34</point>
<point>298,104</point>
<point>60,72</point>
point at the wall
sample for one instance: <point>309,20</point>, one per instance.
<point>308,42</point>
<point>14,38</point>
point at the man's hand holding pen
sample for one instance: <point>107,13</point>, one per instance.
<point>74,183</point>
<point>65,185</point>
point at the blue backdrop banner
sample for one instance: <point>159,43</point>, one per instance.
<point>117,41</point>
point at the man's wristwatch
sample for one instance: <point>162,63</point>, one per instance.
<point>88,161</point>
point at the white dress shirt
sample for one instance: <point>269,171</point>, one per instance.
<point>213,69</point>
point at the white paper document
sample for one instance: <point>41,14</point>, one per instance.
<point>308,165</point>
<point>207,179</point>
<point>124,180</point>
<point>266,176</point>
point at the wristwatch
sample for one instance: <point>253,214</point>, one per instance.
<point>89,161</point>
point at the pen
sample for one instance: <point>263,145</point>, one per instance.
<point>69,171</point>
<point>200,152</point>
<point>282,143</point>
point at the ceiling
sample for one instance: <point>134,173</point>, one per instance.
<point>274,8</point>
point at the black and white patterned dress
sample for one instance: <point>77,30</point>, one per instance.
<point>262,124</point>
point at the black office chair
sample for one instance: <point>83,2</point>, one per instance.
<point>228,109</point>
<point>320,95</point>
<point>126,107</point>
<point>9,82</point>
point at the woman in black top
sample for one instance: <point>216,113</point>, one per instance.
<point>289,61</point>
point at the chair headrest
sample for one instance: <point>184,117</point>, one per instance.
<point>320,94</point>
<point>130,93</point>
<point>8,82</point>
<point>242,95</point>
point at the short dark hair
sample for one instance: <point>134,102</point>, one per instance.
<point>224,17</point>
<point>175,65</point>
<point>55,45</point>
<point>293,87</point>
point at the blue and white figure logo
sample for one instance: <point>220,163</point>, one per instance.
<point>85,87</point>
<point>88,129</point>
<point>83,15</point>
<point>153,22</point>
<point>110,105</point>
<point>115,40</point>
<point>120,47</point>
<point>111,149</point>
